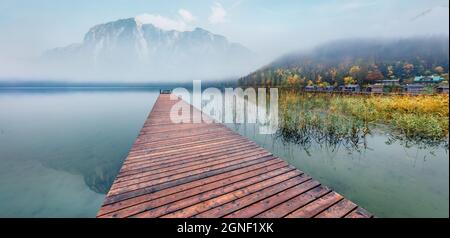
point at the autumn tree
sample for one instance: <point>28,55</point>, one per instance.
<point>319,80</point>
<point>354,71</point>
<point>445,76</point>
<point>439,70</point>
<point>408,69</point>
<point>302,80</point>
<point>349,80</point>
<point>293,80</point>
<point>374,75</point>
<point>333,74</point>
<point>390,71</point>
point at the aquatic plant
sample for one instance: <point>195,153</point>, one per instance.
<point>307,120</point>
<point>335,118</point>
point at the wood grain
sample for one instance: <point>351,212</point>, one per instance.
<point>206,170</point>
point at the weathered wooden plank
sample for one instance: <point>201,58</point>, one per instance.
<point>239,195</point>
<point>340,209</point>
<point>260,204</point>
<point>187,149</point>
<point>295,203</point>
<point>167,184</point>
<point>359,213</point>
<point>251,184</point>
<point>192,152</point>
<point>206,153</point>
<point>135,201</point>
<point>182,163</point>
<point>187,190</point>
<point>208,170</point>
<point>174,143</point>
<point>160,178</point>
<point>316,206</point>
<point>209,164</point>
<point>170,145</point>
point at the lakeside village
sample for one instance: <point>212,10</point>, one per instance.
<point>374,82</point>
<point>419,85</point>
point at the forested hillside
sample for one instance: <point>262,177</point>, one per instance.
<point>362,61</point>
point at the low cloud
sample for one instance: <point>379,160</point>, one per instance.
<point>180,24</point>
<point>218,14</point>
<point>186,15</point>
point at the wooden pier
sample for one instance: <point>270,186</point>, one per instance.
<point>208,171</point>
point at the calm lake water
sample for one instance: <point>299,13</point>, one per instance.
<point>388,178</point>
<point>60,150</point>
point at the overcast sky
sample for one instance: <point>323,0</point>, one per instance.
<point>268,27</point>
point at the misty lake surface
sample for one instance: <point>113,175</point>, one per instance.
<point>60,150</point>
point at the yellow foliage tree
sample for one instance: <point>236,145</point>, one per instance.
<point>349,80</point>
<point>293,79</point>
<point>319,79</point>
<point>333,73</point>
<point>439,69</point>
<point>302,80</point>
<point>354,70</point>
<point>280,72</point>
<point>390,71</point>
<point>445,76</point>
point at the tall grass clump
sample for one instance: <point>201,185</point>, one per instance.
<point>348,117</point>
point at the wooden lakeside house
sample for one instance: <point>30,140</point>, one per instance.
<point>375,88</point>
<point>428,80</point>
<point>442,89</point>
<point>310,88</point>
<point>326,89</point>
<point>414,88</point>
<point>351,88</point>
<point>389,82</point>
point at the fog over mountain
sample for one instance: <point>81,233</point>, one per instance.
<point>160,41</point>
<point>434,50</point>
<point>128,50</point>
<point>374,59</point>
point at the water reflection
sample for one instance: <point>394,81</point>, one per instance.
<point>380,168</point>
<point>61,150</point>
<point>390,177</point>
<point>354,142</point>
<point>98,172</point>
<point>305,138</point>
